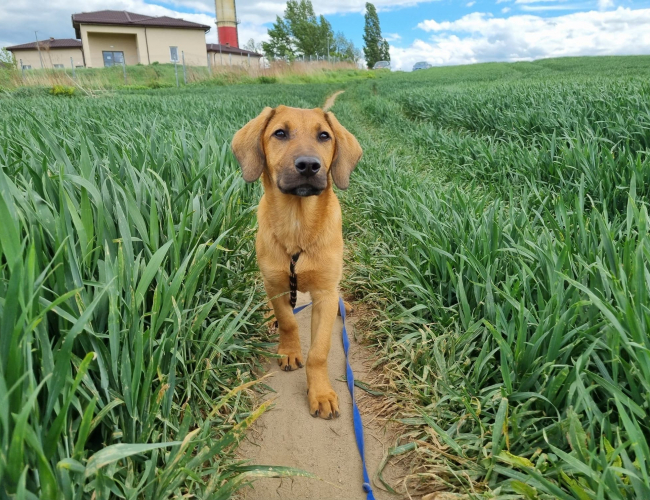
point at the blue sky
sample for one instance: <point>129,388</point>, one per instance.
<point>403,21</point>
<point>402,25</point>
<point>442,32</point>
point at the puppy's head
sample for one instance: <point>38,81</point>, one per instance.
<point>299,148</point>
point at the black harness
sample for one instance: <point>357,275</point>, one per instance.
<point>293,280</point>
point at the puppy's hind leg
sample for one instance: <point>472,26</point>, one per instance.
<point>289,346</point>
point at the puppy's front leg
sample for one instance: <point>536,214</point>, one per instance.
<point>323,400</point>
<point>289,346</point>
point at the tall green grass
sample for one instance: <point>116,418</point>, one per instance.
<point>498,221</point>
<point>129,304</point>
<point>504,239</point>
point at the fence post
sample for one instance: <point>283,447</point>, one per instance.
<point>209,65</point>
<point>176,71</point>
<point>22,69</point>
<point>184,70</point>
<point>74,75</point>
<point>124,69</point>
<point>249,60</point>
<point>230,56</point>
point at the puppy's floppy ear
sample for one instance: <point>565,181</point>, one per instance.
<point>347,155</point>
<point>247,146</point>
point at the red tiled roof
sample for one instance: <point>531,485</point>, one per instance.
<point>227,49</point>
<point>124,18</point>
<point>51,43</point>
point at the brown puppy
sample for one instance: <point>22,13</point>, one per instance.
<point>298,153</point>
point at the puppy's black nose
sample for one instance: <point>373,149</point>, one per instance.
<point>307,165</point>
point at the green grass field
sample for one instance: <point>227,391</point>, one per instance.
<point>497,226</point>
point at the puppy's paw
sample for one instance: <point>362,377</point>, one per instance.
<point>349,309</point>
<point>291,358</point>
<point>323,401</point>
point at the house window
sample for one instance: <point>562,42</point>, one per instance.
<point>27,66</point>
<point>58,66</point>
<point>112,58</point>
<point>173,54</point>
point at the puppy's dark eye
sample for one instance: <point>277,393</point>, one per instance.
<point>323,136</point>
<point>280,134</point>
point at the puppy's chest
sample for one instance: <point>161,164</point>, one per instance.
<point>305,272</point>
<point>295,235</point>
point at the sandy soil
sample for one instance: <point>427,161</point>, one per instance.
<point>288,435</point>
<point>331,100</point>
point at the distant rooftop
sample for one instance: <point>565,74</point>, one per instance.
<point>50,43</point>
<point>227,49</point>
<point>124,18</point>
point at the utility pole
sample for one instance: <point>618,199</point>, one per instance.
<point>184,70</point>
<point>38,47</point>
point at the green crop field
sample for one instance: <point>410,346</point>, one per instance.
<point>497,227</point>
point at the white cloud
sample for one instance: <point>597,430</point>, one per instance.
<point>605,4</point>
<point>392,37</point>
<point>542,8</point>
<point>470,4</point>
<point>479,37</point>
<point>505,10</point>
<point>549,5</point>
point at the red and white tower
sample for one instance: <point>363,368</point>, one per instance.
<point>227,22</point>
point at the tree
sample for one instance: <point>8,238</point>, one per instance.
<point>7,58</point>
<point>280,44</point>
<point>385,50</point>
<point>300,33</point>
<point>358,55</point>
<point>376,48</point>
<point>304,27</point>
<point>344,48</point>
<point>253,47</point>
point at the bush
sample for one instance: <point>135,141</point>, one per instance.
<point>267,79</point>
<point>157,84</point>
<point>134,87</point>
<point>30,91</point>
<point>62,90</point>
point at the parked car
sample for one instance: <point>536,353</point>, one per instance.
<point>381,65</point>
<point>421,65</point>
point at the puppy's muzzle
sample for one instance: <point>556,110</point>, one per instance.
<point>306,178</point>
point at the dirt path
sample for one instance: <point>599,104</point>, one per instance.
<point>331,100</point>
<point>288,435</point>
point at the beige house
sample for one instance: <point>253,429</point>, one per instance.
<point>225,55</point>
<point>49,54</point>
<point>110,37</point>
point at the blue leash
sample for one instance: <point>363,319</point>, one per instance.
<point>358,424</point>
